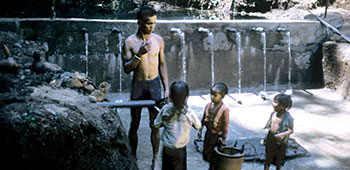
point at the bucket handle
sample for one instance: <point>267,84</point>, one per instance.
<point>254,148</point>
<point>247,143</point>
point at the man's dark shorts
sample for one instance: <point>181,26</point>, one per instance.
<point>146,89</point>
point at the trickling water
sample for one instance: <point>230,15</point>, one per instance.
<point>289,61</point>
<point>263,93</point>
<point>263,35</point>
<point>183,50</point>
<point>112,63</point>
<point>211,41</point>
<point>289,58</point>
<point>86,36</point>
<point>238,40</point>
<point>53,9</point>
<point>120,38</point>
<point>60,61</point>
<point>120,56</point>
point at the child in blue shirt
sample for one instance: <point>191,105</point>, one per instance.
<point>280,125</point>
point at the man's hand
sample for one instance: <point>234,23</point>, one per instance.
<point>144,48</point>
<point>166,94</point>
<point>221,141</point>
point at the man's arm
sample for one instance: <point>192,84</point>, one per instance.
<point>199,135</point>
<point>225,123</point>
<point>163,69</point>
<point>196,123</point>
<point>130,61</point>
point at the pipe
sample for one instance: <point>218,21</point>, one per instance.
<point>201,29</point>
<point>257,29</point>
<point>131,103</point>
<point>280,29</point>
<point>84,30</point>
<point>231,30</point>
<point>116,30</point>
<point>176,30</point>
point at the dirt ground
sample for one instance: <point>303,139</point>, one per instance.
<point>321,126</point>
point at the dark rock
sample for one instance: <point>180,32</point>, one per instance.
<point>46,128</point>
<point>8,64</point>
<point>60,129</point>
<point>38,65</point>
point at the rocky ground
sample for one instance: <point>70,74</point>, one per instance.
<point>321,115</point>
<point>321,127</point>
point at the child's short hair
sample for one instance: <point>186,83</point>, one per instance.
<point>145,11</point>
<point>179,91</point>
<point>221,87</point>
<point>284,100</point>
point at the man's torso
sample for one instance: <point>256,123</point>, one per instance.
<point>148,66</point>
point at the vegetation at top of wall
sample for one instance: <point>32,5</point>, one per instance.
<point>125,9</point>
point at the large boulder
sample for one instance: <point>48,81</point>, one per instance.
<point>60,129</point>
<point>53,128</point>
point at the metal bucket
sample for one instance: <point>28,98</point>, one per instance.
<point>228,158</point>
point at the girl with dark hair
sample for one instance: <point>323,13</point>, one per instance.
<point>177,119</point>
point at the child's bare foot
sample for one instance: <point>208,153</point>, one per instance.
<point>262,142</point>
<point>154,165</point>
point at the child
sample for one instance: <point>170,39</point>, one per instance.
<point>280,125</point>
<point>216,120</point>
<point>177,120</point>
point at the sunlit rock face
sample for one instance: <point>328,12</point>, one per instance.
<point>336,62</point>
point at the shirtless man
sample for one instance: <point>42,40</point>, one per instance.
<point>144,56</point>
<point>280,127</point>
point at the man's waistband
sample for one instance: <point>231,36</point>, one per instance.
<point>156,78</point>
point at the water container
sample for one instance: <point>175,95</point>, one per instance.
<point>228,158</point>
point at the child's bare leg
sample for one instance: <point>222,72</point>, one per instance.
<point>211,166</point>
<point>266,166</point>
<point>278,167</point>
<point>155,139</point>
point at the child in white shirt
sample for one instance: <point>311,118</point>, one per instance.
<point>177,120</point>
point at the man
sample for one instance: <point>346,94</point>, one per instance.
<point>144,56</point>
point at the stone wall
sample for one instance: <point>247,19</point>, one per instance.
<point>67,48</point>
<point>336,67</point>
